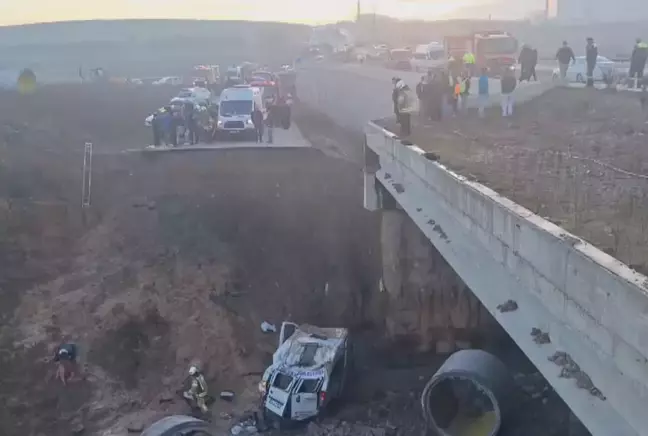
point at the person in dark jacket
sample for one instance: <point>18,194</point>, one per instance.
<point>157,130</point>
<point>420,91</point>
<point>508,84</point>
<point>272,119</point>
<point>591,56</point>
<point>434,93</point>
<point>534,64</point>
<point>564,56</point>
<point>638,60</point>
<point>525,59</point>
<point>257,120</point>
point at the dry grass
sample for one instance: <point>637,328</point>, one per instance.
<point>577,157</point>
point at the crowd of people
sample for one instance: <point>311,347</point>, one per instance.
<point>446,92</point>
<point>174,125</point>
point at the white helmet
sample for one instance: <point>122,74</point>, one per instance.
<point>193,370</point>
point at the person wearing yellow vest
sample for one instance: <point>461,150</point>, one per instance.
<point>469,62</point>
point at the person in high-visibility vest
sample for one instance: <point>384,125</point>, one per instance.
<point>469,62</point>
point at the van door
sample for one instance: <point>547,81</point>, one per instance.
<point>287,330</point>
<point>279,393</point>
<point>304,400</point>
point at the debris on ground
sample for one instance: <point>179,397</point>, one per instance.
<point>571,369</point>
<point>227,395</point>
<point>509,306</point>
<point>245,427</point>
<point>540,337</point>
<point>266,327</point>
<point>343,429</point>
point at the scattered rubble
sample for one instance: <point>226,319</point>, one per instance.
<point>509,306</point>
<point>571,369</point>
<point>540,337</point>
<point>266,327</point>
<point>343,428</point>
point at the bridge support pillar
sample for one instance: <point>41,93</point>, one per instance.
<point>428,302</point>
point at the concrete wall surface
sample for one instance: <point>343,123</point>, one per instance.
<point>572,299</point>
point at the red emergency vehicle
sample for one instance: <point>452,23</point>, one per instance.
<point>493,49</point>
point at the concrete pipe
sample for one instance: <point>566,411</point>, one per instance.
<point>178,425</point>
<point>469,395</point>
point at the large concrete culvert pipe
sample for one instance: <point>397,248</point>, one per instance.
<point>469,395</point>
<point>178,425</point>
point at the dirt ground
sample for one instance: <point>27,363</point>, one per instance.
<point>179,258</point>
<point>575,156</point>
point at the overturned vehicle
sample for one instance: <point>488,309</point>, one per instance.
<point>310,368</point>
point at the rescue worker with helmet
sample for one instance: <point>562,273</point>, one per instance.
<point>66,365</point>
<point>638,60</point>
<point>198,389</point>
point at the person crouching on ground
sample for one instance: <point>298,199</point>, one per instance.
<point>508,83</point>
<point>65,357</point>
<point>405,108</point>
<point>483,92</point>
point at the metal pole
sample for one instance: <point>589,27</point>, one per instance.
<point>87,175</point>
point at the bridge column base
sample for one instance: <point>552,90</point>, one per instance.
<point>427,301</point>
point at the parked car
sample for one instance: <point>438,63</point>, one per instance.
<point>171,80</point>
<point>400,59</point>
<point>310,368</point>
<point>577,71</point>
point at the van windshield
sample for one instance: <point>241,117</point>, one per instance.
<point>235,107</point>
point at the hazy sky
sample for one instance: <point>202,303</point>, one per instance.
<point>304,11</point>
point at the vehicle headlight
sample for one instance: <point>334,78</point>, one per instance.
<point>250,122</point>
<point>219,123</point>
<point>262,387</point>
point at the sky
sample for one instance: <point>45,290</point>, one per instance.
<point>297,11</point>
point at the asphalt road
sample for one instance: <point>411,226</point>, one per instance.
<point>354,94</point>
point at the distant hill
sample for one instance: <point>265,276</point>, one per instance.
<point>139,48</point>
<point>70,32</point>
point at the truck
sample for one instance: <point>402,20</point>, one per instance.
<point>310,368</point>
<point>206,75</point>
<point>495,50</point>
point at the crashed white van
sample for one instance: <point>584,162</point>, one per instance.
<point>309,369</point>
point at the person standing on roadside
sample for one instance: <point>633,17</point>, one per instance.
<point>420,94</point>
<point>534,64</point>
<point>257,120</point>
<point>272,118</point>
<point>405,108</point>
<point>638,61</point>
<point>591,56</point>
<point>483,92</point>
<point>524,60</point>
<point>564,56</point>
<point>508,84</point>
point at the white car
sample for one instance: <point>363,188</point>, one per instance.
<point>309,369</point>
<point>577,71</point>
<point>197,95</point>
<point>171,80</point>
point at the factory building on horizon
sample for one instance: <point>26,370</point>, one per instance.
<point>600,11</point>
